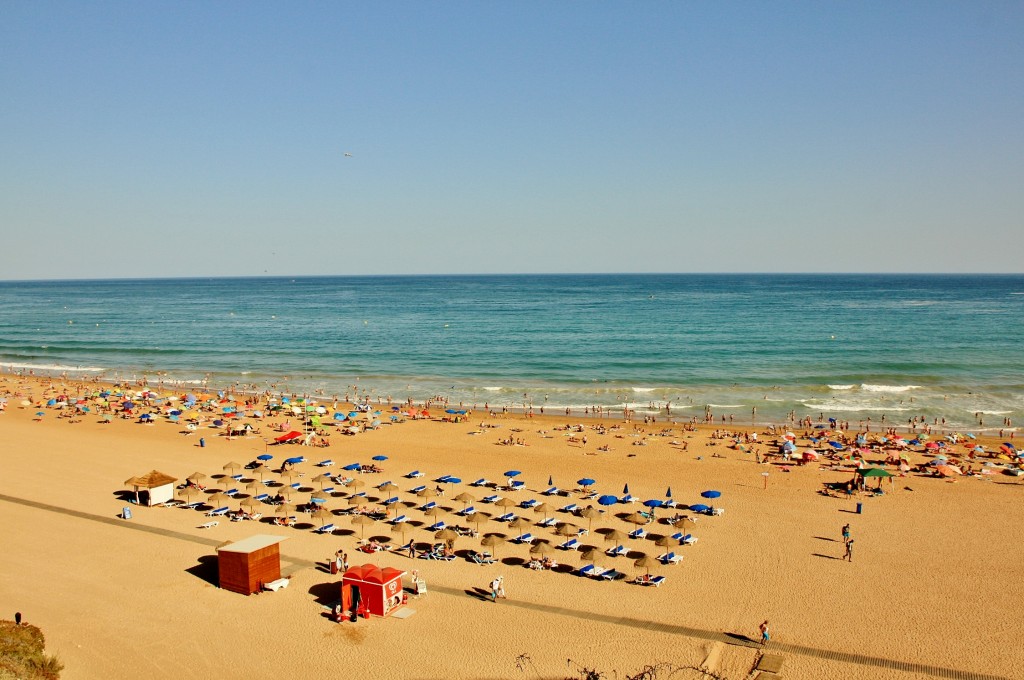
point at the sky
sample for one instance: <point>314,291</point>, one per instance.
<point>166,139</point>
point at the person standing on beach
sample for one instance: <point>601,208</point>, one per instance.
<point>849,551</point>
<point>765,636</point>
<point>495,585</point>
<point>846,533</point>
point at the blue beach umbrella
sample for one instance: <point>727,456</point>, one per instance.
<point>218,423</point>
<point>352,466</point>
<point>625,490</point>
<point>453,480</point>
<point>607,500</point>
<point>700,507</point>
<point>654,503</point>
<point>585,482</point>
<point>340,416</point>
<point>450,411</point>
<point>295,460</point>
<point>381,458</point>
<point>668,492</point>
<point>512,473</point>
<point>551,480</point>
<point>835,445</point>
<point>146,416</point>
<point>51,402</point>
<point>40,414</point>
<point>711,494</point>
<point>264,456</point>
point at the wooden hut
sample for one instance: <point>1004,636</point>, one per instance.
<point>152,488</point>
<point>247,565</point>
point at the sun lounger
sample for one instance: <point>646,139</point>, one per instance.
<point>591,570</point>
<point>295,485</point>
<point>588,495</point>
<point>491,499</point>
<point>670,558</point>
<point>415,474</point>
<point>718,511</point>
<point>276,585</point>
<point>172,503</point>
<point>516,485</point>
<point>192,505</point>
<point>628,498</point>
<point>481,558</point>
<point>551,491</point>
<point>549,522</point>
<point>436,526</point>
<point>325,529</point>
<point>507,517</point>
<point>650,581</point>
<point>427,506</point>
<point>218,512</point>
<point>400,519</point>
<point>237,478</point>
<point>325,463</point>
<point>639,532</point>
<point>532,503</point>
<point>467,511</point>
<point>617,550</point>
<point>610,575</point>
<point>263,497</point>
<point>209,525</point>
<point>231,492</point>
<point>329,489</point>
<point>525,538</point>
<point>417,489</point>
<point>382,484</point>
<point>480,482</point>
<point>572,507</point>
<point>571,544</point>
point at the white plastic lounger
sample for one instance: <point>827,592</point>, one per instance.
<point>208,525</point>
<point>325,529</point>
<point>571,544</point>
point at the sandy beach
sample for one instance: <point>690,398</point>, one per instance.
<point>930,592</point>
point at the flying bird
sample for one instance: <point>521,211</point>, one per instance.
<point>348,155</point>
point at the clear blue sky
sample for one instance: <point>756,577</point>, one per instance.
<point>209,138</point>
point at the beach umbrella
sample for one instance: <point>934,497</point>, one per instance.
<point>700,507</point>
<point>289,475</point>
<point>711,494</point>
<point>316,500</point>
<point>590,513</point>
<point>505,502</point>
<point>400,529</point>
<point>379,458</point>
<point>322,514</point>
<point>636,518</point>
<point>188,492</point>
<point>683,523</point>
<point>948,470</point>
<point>426,492</point>
<point>355,500</point>
<point>452,480</point>
<point>586,482</point>
<point>668,492</point>
<point>567,529</point>
<point>519,523</point>
<point>196,476</point>
<point>388,487</point>
<point>261,470</point>
<point>362,521</point>
<point>512,473</point>
<point>653,503</point>
<point>284,509</point>
<point>465,499</point>
<point>264,457</point>
<point>492,541</point>
<point>646,562</point>
<point>230,467</point>
<point>625,490</point>
<point>543,508</point>
<point>250,503</point>
<point>667,542</point>
<point>593,555</point>
<point>477,518</point>
<point>616,536</point>
<point>541,548</point>
<point>321,478</point>
<point>551,480</point>
<point>434,511</point>
<point>607,500</point>
<point>253,486</point>
<point>446,535</point>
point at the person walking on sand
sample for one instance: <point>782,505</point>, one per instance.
<point>846,533</point>
<point>495,586</point>
<point>765,636</point>
<point>849,551</point>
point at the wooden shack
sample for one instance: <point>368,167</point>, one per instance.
<point>152,488</point>
<point>246,565</point>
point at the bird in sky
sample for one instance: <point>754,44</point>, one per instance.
<point>348,155</point>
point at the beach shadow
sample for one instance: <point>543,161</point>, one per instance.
<point>479,593</point>
<point>206,570</point>
<point>851,512</point>
<point>513,561</point>
<point>827,557</point>
<point>125,496</point>
<point>325,594</point>
<point>563,568</point>
<point>742,639</point>
<point>823,538</point>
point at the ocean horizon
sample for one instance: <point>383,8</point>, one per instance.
<point>749,347</point>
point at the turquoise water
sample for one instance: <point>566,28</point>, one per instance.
<point>848,346</point>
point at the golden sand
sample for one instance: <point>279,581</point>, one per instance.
<point>933,581</point>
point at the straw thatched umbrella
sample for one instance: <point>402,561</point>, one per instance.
<point>541,549</point>
<point>289,475</point>
<point>646,562</point>
<point>477,518</point>
<point>567,529</point>
<point>232,466</point>
<point>399,529</point>
<point>355,500</point>
<point>593,555</point>
<point>261,470</point>
<point>616,536</point>
<point>195,477</point>
<point>388,487</point>
<point>590,514</point>
<point>636,518</point>
<point>253,487</point>
<point>446,535</point>
<point>519,523</point>
<point>426,492</point>
<point>284,509</point>
<point>250,503</point>
<point>465,499</point>
<point>217,499</point>
<point>492,541</point>
<point>323,514</point>
<point>356,484</point>
<point>667,542</point>
<point>188,492</point>
<point>322,478</point>
<point>362,521</point>
<point>543,508</point>
<point>683,523</point>
<point>505,502</point>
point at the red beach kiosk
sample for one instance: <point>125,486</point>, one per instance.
<point>372,590</point>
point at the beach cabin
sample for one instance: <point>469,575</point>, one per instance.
<point>152,488</point>
<point>368,588</point>
<point>247,565</point>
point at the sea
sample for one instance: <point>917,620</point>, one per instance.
<point>735,348</point>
